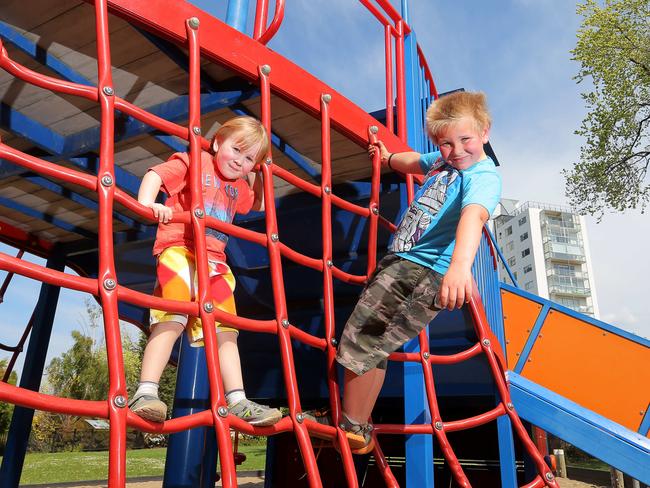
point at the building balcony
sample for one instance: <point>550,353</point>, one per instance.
<point>579,275</point>
<point>564,252</point>
<point>575,291</point>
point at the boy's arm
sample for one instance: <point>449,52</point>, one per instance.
<point>149,188</point>
<point>456,288</point>
<point>404,162</point>
<point>257,184</point>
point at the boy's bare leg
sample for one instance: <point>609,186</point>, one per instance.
<point>229,361</point>
<point>158,350</point>
<point>360,393</point>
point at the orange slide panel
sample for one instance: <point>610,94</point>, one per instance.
<point>593,367</point>
<point>519,316</point>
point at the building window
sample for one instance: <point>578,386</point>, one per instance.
<point>529,285</point>
<point>515,275</point>
<point>512,261</point>
<point>528,268</point>
<point>510,246</point>
<point>523,236</point>
<point>522,220</point>
<point>525,252</point>
<point>509,231</point>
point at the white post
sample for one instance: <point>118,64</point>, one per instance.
<point>561,462</point>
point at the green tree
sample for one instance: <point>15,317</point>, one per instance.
<point>6,409</point>
<point>613,49</point>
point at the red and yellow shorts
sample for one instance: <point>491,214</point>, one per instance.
<point>177,279</point>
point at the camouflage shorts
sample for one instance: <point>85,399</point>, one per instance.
<point>396,304</point>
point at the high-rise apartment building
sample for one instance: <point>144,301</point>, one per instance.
<point>547,249</point>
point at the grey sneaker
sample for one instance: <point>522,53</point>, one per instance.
<point>149,407</point>
<point>359,435</point>
<point>254,413</point>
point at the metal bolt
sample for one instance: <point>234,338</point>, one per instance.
<point>285,323</point>
<point>108,91</point>
<point>540,336</point>
<point>507,341</point>
<point>530,360</point>
<point>208,307</point>
<point>222,411</point>
<point>374,129</point>
<point>266,69</point>
<point>425,355</point>
<point>641,412</point>
<point>107,180</point>
<point>375,210</point>
<point>299,417</point>
<point>516,354</point>
<point>119,401</point>
<point>268,161</point>
<point>549,476</point>
<point>196,130</point>
<point>438,425</point>
<point>327,98</point>
<point>110,284</point>
<point>327,190</point>
<point>486,342</point>
<point>194,23</point>
<point>510,406</point>
<point>199,213</point>
<point>335,343</point>
<point>329,263</point>
<point>341,425</point>
<point>274,237</point>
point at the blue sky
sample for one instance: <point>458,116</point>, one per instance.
<point>517,52</point>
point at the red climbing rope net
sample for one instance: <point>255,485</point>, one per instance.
<point>109,291</point>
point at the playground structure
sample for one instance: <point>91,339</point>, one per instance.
<point>69,173</point>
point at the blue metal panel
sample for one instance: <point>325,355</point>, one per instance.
<point>237,14</point>
<point>125,180</point>
<point>42,136</point>
<point>532,337</point>
<point>577,315</point>
<point>62,224</point>
<point>644,429</point>
<point>612,443</point>
<point>8,33</point>
<point>39,340</point>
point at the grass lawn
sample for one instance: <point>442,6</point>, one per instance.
<point>60,467</point>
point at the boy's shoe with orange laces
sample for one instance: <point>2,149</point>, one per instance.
<point>359,435</point>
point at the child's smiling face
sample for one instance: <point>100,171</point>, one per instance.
<point>461,143</point>
<point>232,160</point>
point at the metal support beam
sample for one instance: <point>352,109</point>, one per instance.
<point>39,340</point>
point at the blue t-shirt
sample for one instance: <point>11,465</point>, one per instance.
<point>426,233</point>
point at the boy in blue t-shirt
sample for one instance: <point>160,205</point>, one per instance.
<point>429,263</point>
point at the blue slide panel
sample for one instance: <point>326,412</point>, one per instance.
<point>624,449</point>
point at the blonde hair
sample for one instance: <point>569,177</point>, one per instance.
<point>449,109</point>
<point>248,131</point>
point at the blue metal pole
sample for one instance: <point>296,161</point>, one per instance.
<point>39,340</point>
<point>419,448</point>
<point>237,14</point>
<point>186,450</point>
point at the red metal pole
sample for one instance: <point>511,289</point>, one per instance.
<point>388,48</point>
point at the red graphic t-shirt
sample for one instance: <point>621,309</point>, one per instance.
<point>221,199</point>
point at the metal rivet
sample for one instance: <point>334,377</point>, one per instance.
<point>516,354</point>
<point>208,307</point>
<point>285,323</point>
<point>438,425</point>
<point>507,341</point>
<point>486,342</point>
<point>222,411</point>
<point>108,91</point>
<point>119,401</point>
<point>375,210</point>
<point>327,190</point>
<point>268,161</point>
<point>199,213</point>
<point>510,406</point>
<point>274,237</point>
<point>334,342</point>
<point>194,23</point>
<point>266,69</point>
<point>110,284</point>
<point>299,417</point>
<point>530,360</point>
<point>107,180</point>
<point>327,98</point>
<point>196,130</point>
<point>425,355</point>
<point>549,476</point>
<point>329,263</point>
<point>540,336</point>
<point>641,412</point>
<point>374,129</point>
<point>341,425</point>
